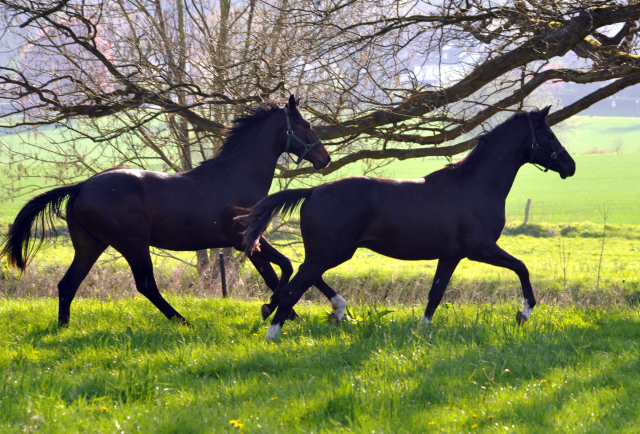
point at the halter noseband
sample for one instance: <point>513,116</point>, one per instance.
<point>535,147</point>
<point>290,134</point>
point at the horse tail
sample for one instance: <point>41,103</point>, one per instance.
<point>284,202</point>
<point>38,215</point>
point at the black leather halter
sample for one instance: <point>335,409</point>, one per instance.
<point>290,134</point>
<point>553,154</point>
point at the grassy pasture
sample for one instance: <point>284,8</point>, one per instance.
<point>121,367</point>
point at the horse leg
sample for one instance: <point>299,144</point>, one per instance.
<point>444,271</point>
<point>494,255</point>
<point>305,277</point>
<point>139,259</point>
<point>269,253</point>
<point>87,251</point>
<point>337,303</point>
<point>271,280</point>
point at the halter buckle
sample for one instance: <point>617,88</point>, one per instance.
<point>554,155</point>
<point>535,146</point>
<point>289,132</point>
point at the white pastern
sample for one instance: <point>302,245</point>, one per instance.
<point>274,331</point>
<point>526,310</point>
<point>339,305</point>
<point>425,321</point>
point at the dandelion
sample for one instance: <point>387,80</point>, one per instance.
<point>490,417</point>
<point>234,423</point>
<point>103,409</point>
<point>486,383</point>
<point>255,334</point>
<point>543,381</point>
<point>474,416</point>
<point>475,425</point>
<point>274,398</point>
<point>432,423</point>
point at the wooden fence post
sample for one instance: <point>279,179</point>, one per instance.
<point>526,212</point>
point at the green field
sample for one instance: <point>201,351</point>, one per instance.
<point>121,367</point>
<point>609,181</point>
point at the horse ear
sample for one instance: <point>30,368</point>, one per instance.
<point>298,102</point>
<point>291,105</point>
<point>545,111</point>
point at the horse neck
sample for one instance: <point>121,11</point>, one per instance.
<point>253,157</point>
<point>500,162</point>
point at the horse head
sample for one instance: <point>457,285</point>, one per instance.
<point>545,148</point>
<point>300,139</point>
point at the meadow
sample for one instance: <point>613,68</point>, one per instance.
<point>122,367</point>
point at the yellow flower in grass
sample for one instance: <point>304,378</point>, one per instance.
<point>274,398</point>
<point>103,409</point>
<point>431,423</point>
<point>543,381</point>
<point>234,423</point>
<point>475,425</point>
<point>490,417</point>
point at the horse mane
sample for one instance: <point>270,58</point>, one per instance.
<point>469,162</point>
<point>243,123</point>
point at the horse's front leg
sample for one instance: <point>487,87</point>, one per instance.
<point>445,270</point>
<point>494,255</point>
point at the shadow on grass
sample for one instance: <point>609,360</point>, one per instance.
<point>326,368</point>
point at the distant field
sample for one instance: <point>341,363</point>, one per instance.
<point>608,181</point>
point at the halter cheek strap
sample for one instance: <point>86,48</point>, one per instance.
<point>290,134</point>
<point>535,148</point>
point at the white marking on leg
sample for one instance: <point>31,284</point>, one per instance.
<point>526,310</point>
<point>425,321</point>
<point>339,305</point>
<point>274,331</point>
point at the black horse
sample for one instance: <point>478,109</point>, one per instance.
<point>132,210</point>
<point>454,213</point>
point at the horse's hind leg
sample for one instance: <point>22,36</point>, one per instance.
<point>87,251</point>
<point>494,255</point>
<point>270,279</point>
<point>337,303</point>
<point>268,253</point>
<point>306,276</point>
<point>139,259</point>
<point>444,271</point>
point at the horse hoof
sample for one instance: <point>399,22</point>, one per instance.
<point>266,312</point>
<point>520,318</point>
<point>333,319</point>
<point>273,332</point>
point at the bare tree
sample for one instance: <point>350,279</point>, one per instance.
<point>91,84</point>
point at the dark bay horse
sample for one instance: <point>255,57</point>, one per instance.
<point>132,210</point>
<point>454,213</point>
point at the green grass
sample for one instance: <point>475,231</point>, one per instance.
<point>121,367</point>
